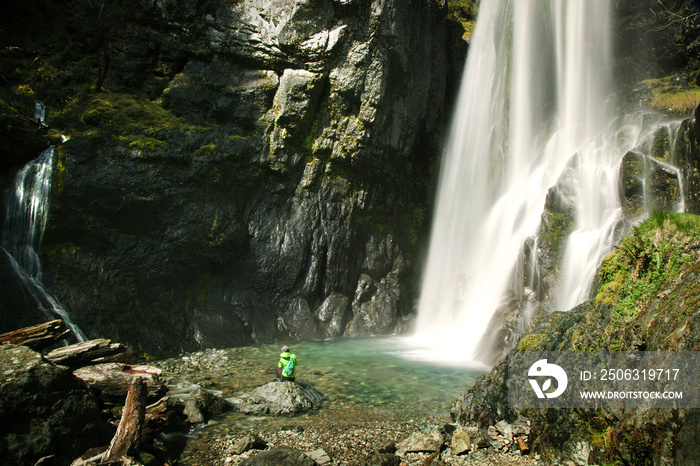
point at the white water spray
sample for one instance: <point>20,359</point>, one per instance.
<point>533,113</point>
<point>25,220</point>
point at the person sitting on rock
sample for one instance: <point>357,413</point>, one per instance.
<point>287,366</point>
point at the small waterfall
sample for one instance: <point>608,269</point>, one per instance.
<point>25,220</point>
<point>533,116</point>
<point>39,111</point>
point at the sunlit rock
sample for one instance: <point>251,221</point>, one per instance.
<point>280,398</point>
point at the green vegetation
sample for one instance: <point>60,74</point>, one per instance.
<point>532,342</point>
<point>669,95</point>
<point>559,225</point>
<point>216,235</point>
<point>464,12</point>
<point>646,263</point>
<point>205,150</point>
<point>141,142</point>
<point>122,114</point>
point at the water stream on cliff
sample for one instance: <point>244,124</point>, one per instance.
<point>26,214</point>
<point>533,115</point>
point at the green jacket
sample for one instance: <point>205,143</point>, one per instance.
<point>284,359</point>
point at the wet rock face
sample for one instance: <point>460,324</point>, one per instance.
<point>290,201</point>
<point>646,185</point>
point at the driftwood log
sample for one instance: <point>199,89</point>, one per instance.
<point>126,440</point>
<point>85,353</point>
<point>124,445</point>
<point>37,337</point>
<point>111,381</point>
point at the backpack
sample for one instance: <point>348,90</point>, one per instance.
<point>289,368</point>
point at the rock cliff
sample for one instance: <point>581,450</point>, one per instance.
<point>274,186</point>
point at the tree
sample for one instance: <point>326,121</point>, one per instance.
<point>99,25</point>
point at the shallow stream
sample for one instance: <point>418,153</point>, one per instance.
<point>363,380</point>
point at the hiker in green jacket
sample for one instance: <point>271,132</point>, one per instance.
<point>287,366</point>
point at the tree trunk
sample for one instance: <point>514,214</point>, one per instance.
<point>126,440</point>
<point>37,337</point>
<point>87,352</point>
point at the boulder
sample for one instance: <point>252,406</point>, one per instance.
<point>421,442</point>
<point>461,442</point>
<point>280,398</point>
<point>204,405</point>
<point>319,456</point>
<point>44,410</point>
<point>247,443</point>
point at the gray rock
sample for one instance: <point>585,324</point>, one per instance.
<point>192,412</point>
<point>373,305</point>
<point>421,442</point>
<point>247,443</point>
<point>333,314</point>
<point>292,108</point>
<point>521,426</point>
<point>44,410</point>
<point>307,19</point>
<point>210,404</point>
<point>461,442</point>
<point>319,456</point>
<point>221,90</point>
<point>204,405</point>
<point>505,429</point>
<point>280,398</point>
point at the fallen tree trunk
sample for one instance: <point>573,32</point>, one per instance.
<point>37,337</point>
<point>85,353</point>
<point>111,381</point>
<point>128,436</point>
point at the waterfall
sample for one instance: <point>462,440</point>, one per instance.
<point>533,114</point>
<point>25,220</point>
<point>39,111</point>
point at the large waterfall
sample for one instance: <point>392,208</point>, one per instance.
<point>534,114</point>
<point>25,220</point>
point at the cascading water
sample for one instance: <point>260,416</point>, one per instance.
<point>533,114</point>
<point>25,220</point>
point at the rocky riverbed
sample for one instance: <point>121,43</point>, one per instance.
<point>358,422</point>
